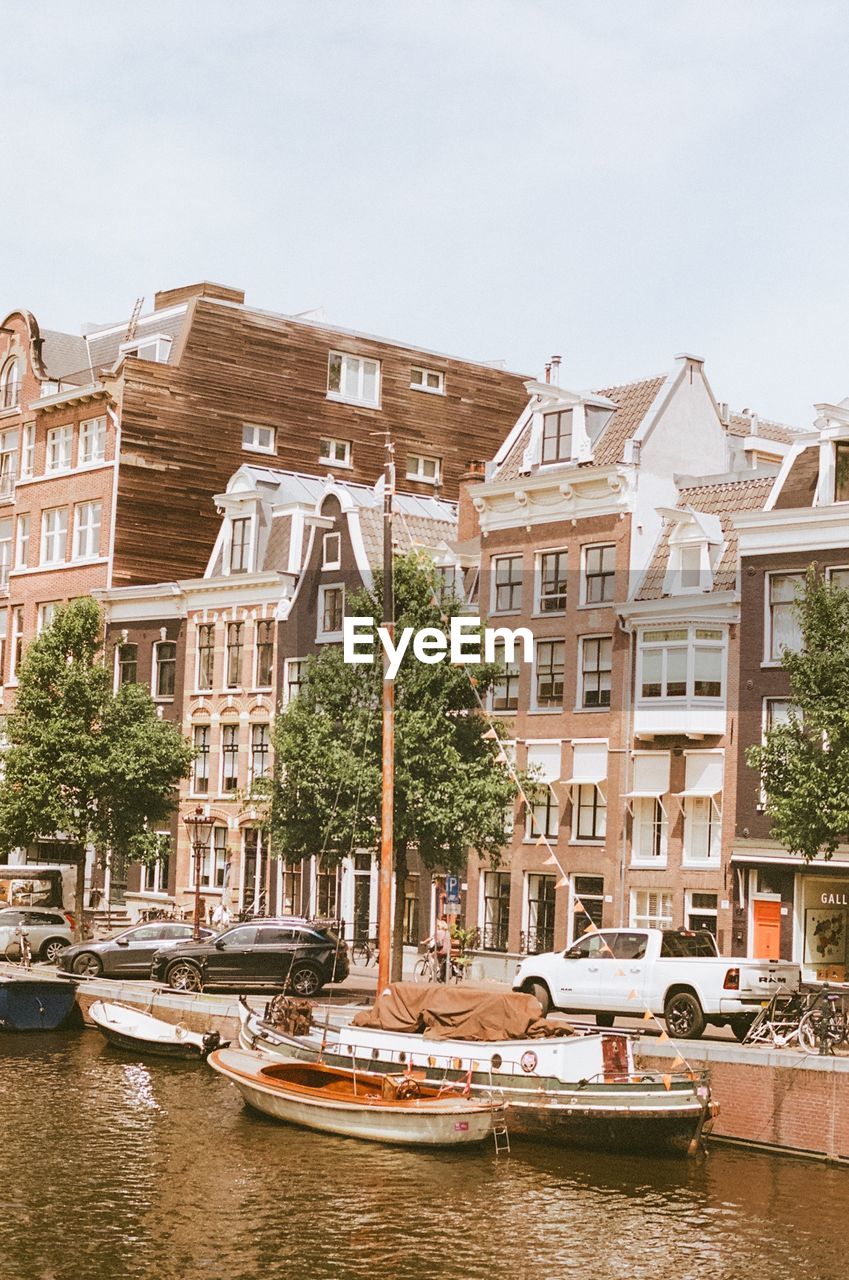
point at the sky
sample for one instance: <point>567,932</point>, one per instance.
<point>613,181</point>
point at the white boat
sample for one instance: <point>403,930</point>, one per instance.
<point>355,1104</point>
<point>130,1028</point>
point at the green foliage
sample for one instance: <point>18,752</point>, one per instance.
<point>804,765</point>
<point>449,796</point>
<point>99,767</point>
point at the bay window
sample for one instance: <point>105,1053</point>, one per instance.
<point>679,662</point>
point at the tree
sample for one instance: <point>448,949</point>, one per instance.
<point>804,763</point>
<point>449,795</point>
<point>95,766</point>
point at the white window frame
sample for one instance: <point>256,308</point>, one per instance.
<point>215,858</point>
<point>649,918</point>
<point>352,379</point>
<point>689,643</point>
<point>161,342</point>
<point>23,528</point>
<point>86,544</point>
<point>702,805</point>
<point>52,537</point>
<point>60,449</point>
<point>10,378</point>
<point>45,613</point>
<point>16,647</point>
<point>585,603</point>
<point>321,634</point>
<point>288,664</point>
<point>205,757</point>
<point>690,909</point>
<point>650,826</point>
<point>541,599</point>
<point>228,647</point>
<point>257,624</point>
<point>154,673</point>
<point>425,375</point>
<point>258,724</point>
<point>510,583</point>
<point>224,727</point>
<point>418,465</point>
<point>151,880</point>
<point>328,560</point>
<point>328,449</point>
<point>769,660</point>
<point>581,704</point>
<point>550,708</point>
<point>249,521</point>
<point>7,550</point>
<point>28,450</point>
<point>251,440</point>
<point>92,443</point>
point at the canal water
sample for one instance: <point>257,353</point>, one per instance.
<point>113,1168</point>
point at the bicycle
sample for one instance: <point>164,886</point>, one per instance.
<point>431,968</point>
<point>19,950</point>
<point>364,952</point>
<point>824,1027</point>
<point>778,1022</point>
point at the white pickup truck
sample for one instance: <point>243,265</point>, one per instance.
<point>672,972</point>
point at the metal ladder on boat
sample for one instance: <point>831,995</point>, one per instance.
<point>500,1134</point>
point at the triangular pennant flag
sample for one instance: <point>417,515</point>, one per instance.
<point>632,995</point>
<point>541,840</point>
<point>562,882</point>
<point>679,1062</point>
<point>490,736</point>
<point>648,1015</point>
<point>579,906</point>
<point>620,973</point>
<point>473,681</point>
<point>501,758</point>
<point>434,602</point>
<point>551,861</point>
<point>591,928</point>
<point>667,1082</point>
<point>663,1036</point>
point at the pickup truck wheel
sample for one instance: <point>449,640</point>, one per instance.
<point>604,1019</point>
<point>683,1015</point>
<point>540,990</point>
<point>741,1025</point>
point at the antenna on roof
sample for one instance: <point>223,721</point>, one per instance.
<point>134,320</point>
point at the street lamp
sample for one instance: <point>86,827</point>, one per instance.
<point>199,826</point>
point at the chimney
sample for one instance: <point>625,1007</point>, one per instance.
<point>548,371</point>
<point>555,370</point>
<point>468,523</point>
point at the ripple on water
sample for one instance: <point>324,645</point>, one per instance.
<point>142,1169</point>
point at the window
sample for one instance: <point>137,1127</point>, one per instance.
<point>164,668</point>
<point>543,815</point>
<point>28,450</point>
<point>557,436</point>
<point>233,654</point>
<point>335,452</point>
<point>155,347</point>
<point>22,542</point>
<point>552,582</point>
<point>229,757</point>
<point>331,608</point>
<point>841,471</point>
<point>411,931</point>
<point>353,378</point>
<point>292,888</point>
<point>540,932</point>
<point>331,551</point>
<point>596,668</point>
<point>45,614</point>
<point>240,545</point>
<point>505,689</point>
<point>548,673</point>
<point>206,655</point>
<point>590,817</point>
<point>214,865</point>
<point>87,518</point>
<point>260,751</point>
<point>702,806</point>
<point>5,551</point>
<point>327,894</point>
<point>294,674</point>
<point>10,385</point>
<point>254,864</point>
<point>8,462</point>
<point>200,765</point>
<point>427,380</point>
<point>599,581</point>
<point>17,641</point>
<point>776,712</point>
<point>259,439</point>
<point>651,909</point>
<point>59,445</point>
<point>496,910</point>
<point>420,467</point>
<point>678,662</point>
<point>701,910</point>
<point>784,631</point>
<point>589,893</point>
<point>127,659</point>
<point>54,535</point>
<point>648,841</point>
<point>4,627</point>
<point>264,654</point>
<point>92,442</point>
<point>690,566</point>
<point>154,875</point>
<point>508,584</point>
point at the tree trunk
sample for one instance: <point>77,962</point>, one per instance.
<point>79,897</point>
<point>396,972</point>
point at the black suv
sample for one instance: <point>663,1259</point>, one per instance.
<point>295,955</point>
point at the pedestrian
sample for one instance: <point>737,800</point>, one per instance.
<point>221,916</point>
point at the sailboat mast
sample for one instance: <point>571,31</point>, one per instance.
<point>387,852</point>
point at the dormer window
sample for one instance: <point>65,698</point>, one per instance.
<point>155,347</point>
<point>841,471</point>
<point>557,436</point>
<point>690,562</point>
<point>240,544</point>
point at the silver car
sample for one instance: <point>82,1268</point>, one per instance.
<point>127,954</point>
<point>48,929</point>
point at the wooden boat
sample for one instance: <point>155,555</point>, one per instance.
<point>355,1104</point>
<point>130,1028</point>
<point>31,1003</point>
<point>582,1090</point>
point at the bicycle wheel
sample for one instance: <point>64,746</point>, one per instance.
<point>819,1031</point>
<point>361,953</point>
<point>423,971</point>
<point>13,953</point>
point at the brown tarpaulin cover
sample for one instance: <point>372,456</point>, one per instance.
<point>454,1013</point>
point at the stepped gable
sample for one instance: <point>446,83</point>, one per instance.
<point>723,500</point>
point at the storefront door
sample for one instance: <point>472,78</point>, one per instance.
<point>766,914</point>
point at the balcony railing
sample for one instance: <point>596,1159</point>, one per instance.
<point>495,936</point>
<point>537,939</point>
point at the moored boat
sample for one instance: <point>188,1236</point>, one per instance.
<point>355,1104</point>
<point>576,1090</point>
<point>32,1003</point>
<point>130,1028</point>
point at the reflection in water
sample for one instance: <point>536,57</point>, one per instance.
<point>113,1167</point>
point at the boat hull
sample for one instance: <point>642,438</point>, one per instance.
<point>122,1041</point>
<point>420,1123</point>
<point>129,1028</point>
<point>35,1004</point>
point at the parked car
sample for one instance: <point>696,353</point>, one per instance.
<point>128,954</point>
<point>49,929</point>
<point>293,954</point>
<point>674,972</point>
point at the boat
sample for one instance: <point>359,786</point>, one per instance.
<point>379,1107</point>
<point>33,1003</point>
<point>581,1090</point>
<point>130,1028</point>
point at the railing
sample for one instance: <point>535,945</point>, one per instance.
<point>537,939</point>
<point>495,936</point>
